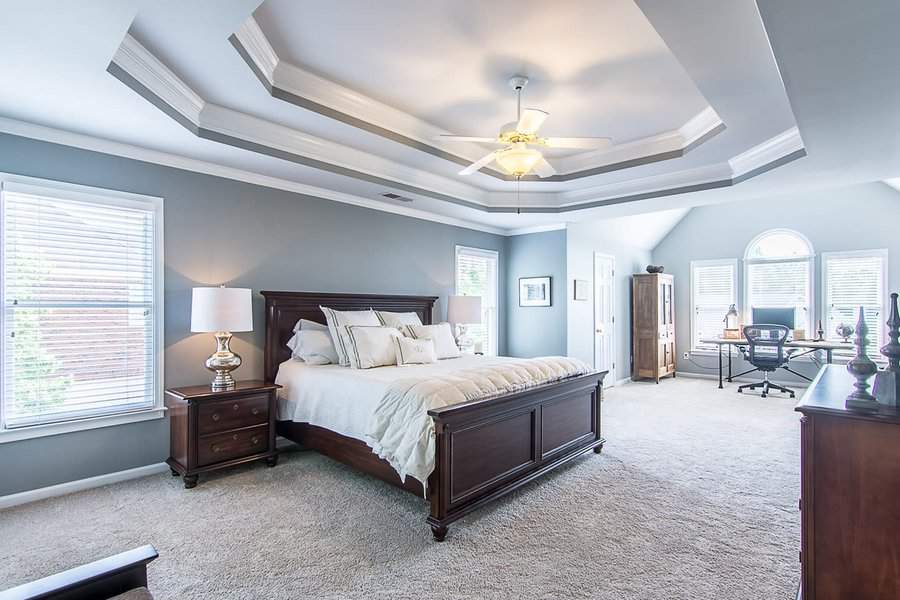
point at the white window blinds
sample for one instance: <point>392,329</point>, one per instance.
<point>79,306</point>
<point>713,291</point>
<point>780,283</point>
<point>851,280</point>
<point>477,274</point>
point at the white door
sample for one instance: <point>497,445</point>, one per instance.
<point>604,316</point>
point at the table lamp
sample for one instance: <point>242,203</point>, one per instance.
<point>221,311</point>
<point>462,311</point>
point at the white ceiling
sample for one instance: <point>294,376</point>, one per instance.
<point>598,67</point>
<point>834,58</point>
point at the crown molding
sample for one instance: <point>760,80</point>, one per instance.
<point>259,50</point>
<point>783,144</point>
<point>184,163</point>
<point>536,229</point>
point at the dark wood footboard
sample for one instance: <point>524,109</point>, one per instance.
<point>488,448</point>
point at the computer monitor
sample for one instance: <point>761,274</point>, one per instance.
<point>774,316</point>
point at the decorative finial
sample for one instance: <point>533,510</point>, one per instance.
<point>887,382</point>
<point>862,368</point>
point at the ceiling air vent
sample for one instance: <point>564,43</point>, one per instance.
<point>397,197</point>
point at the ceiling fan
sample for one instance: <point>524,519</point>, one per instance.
<point>518,158</point>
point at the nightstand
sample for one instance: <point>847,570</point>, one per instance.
<point>216,429</point>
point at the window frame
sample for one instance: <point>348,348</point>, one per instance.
<point>882,253</point>
<point>809,259</point>
<point>491,254</point>
<point>69,191</point>
<point>733,263</point>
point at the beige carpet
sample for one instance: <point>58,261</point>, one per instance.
<point>695,496</point>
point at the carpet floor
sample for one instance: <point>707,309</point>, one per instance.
<point>694,496</point>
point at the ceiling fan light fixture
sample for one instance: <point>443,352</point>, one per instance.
<point>518,160</point>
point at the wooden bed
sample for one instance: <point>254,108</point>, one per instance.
<point>485,448</point>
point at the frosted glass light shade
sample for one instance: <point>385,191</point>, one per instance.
<point>518,160</point>
<point>221,309</point>
<point>464,310</point>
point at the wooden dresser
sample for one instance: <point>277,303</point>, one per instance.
<point>850,495</point>
<point>652,326</point>
<point>217,429</point>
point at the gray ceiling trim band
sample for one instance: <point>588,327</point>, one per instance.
<point>222,138</point>
<point>326,111</point>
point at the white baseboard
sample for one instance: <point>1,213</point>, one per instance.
<point>622,381</point>
<point>745,379</point>
<point>80,484</point>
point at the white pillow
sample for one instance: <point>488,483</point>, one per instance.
<point>339,318</point>
<point>370,346</point>
<point>414,352</point>
<point>315,347</point>
<point>398,320</point>
<point>444,344</point>
<point>306,324</point>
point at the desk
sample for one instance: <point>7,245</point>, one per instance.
<point>809,346</point>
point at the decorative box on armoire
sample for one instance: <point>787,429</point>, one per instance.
<point>652,326</point>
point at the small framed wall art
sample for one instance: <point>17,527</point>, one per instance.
<point>582,289</point>
<point>534,291</point>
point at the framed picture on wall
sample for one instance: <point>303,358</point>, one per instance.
<point>582,289</point>
<point>534,291</point>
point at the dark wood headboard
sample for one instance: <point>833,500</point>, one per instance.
<point>284,309</point>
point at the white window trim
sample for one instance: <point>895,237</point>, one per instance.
<point>733,263</point>
<point>494,254</point>
<point>810,266</point>
<point>71,191</point>
<point>885,300</point>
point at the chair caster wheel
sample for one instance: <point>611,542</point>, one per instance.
<point>740,391</point>
<point>763,395</point>
<point>792,395</point>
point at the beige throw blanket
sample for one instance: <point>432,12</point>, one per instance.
<point>402,433</point>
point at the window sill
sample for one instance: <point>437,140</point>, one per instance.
<point>36,431</point>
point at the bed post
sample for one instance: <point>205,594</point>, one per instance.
<point>438,481</point>
<point>598,402</point>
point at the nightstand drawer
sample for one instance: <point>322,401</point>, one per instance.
<point>231,414</point>
<point>235,444</point>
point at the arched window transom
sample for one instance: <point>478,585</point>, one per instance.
<point>778,244</point>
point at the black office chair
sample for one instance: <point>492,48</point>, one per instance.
<point>766,353</point>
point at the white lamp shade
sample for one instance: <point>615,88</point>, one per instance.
<point>221,309</point>
<point>464,310</point>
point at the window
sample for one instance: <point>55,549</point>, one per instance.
<point>851,280</point>
<point>81,311</point>
<point>713,291</point>
<point>477,274</point>
<point>778,269</point>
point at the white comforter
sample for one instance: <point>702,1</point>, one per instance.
<point>387,407</point>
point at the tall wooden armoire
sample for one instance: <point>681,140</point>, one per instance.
<point>652,326</point>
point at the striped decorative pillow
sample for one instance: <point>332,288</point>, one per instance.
<point>340,318</point>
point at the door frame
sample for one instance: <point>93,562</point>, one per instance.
<point>607,381</point>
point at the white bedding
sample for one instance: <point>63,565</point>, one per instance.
<point>387,407</point>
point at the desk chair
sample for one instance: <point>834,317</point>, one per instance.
<point>766,353</point>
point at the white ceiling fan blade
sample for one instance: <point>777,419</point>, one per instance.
<point>468,138</point>
<point>543,168</point>
<point>481,162</point>
<point>531,120</point>
<point>578,142</point>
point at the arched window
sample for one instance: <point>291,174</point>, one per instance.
<point>778,273</point>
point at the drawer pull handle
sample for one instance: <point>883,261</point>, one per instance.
<point>255,441</point>
<point>215,417</point>
<point>255,411</point>
<point>234,437</point>
<point>236,406</point>
<point>215,448</point>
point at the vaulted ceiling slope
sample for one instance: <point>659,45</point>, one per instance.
<point>346,99</point>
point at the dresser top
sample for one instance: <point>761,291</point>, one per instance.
<point>197,392</point>
<point>828,391</point>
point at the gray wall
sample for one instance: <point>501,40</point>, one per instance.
<point>584,239</point>
<point>536,330</point>
<point>860,217</point>
<point>272,240</point>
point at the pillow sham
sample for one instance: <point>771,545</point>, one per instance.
<point>398,320</point>
<point>410,351</point>
<point>307,325</point>
<point>340,318</point>
<point>442,336</point>
<point>369,346</point>
<point>316,347</point>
